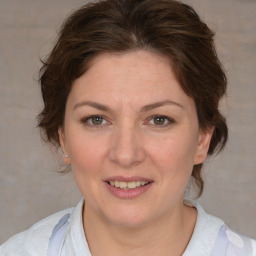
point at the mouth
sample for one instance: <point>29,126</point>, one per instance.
<point>128,188</point>
<point>127,185</point>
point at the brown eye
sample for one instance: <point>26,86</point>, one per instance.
<point>159,120</point>
<point>97,120</point>
<point>94,121</point>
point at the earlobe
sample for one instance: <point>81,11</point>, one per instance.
<point>66,158</point>
<point>204,140</point>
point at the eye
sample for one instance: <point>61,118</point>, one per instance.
<point>161,120</point>
<point>95,120</point>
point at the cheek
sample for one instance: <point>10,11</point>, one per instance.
<point>86,153</point>
<point>173,161</point>
<point>173,154</point>
<point>87,156</point>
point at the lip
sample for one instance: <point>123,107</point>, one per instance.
<point>127,179</point>
<point>130,193</point>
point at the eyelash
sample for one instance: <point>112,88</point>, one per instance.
<point>86,119</point>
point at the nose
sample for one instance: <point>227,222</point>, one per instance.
<point>127,147</point>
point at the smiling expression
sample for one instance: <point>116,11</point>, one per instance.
<point>132,137</point>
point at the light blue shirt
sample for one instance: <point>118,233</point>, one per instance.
<point>62,234</point>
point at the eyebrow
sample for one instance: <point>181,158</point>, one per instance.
<point>143,109</point>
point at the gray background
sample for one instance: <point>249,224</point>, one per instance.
<point>30,187</point>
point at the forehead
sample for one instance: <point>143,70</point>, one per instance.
<point>138,76</point>
<point>146,64</point>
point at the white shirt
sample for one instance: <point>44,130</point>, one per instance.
<point>35,240</point>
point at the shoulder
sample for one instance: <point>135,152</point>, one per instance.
<point>233,243</point>
<point>212,237</point>
<point>33,241</point>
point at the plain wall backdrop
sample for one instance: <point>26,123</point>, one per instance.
<point>31,188</point>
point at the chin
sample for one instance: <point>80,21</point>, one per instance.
<point>128,218</point>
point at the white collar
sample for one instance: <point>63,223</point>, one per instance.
<point>205,232</point>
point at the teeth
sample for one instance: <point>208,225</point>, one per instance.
<point>123,184</point>
<point>127,185</point>
<point>131,184</point>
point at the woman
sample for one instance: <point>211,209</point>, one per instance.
<point>131,92</point>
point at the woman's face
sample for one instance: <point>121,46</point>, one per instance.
<point>132,137</point>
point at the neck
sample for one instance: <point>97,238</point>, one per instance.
<point>166,235</point>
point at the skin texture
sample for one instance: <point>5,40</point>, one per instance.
<point>129,142</point>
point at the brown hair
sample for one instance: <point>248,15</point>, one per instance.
<point>167,27</point>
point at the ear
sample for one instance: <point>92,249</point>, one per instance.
<point>204,140</point>
<point>66,158</point>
